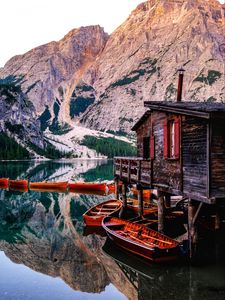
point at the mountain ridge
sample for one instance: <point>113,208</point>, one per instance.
<point>100,82</point>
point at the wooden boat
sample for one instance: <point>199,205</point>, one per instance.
<point>87,186</point>
<point>18,184</point>
<point>49,186</point>
<point>4,183</point>
<point>95,215</point>
<point>87,192</point>
<point>140,240</point>
<point>146,193</point>
<point>148,207</point>
<point>111,188</point>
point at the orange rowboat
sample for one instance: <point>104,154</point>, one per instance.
<point>4,183</point>
<point>140,240</point>
<point>87,192</point>
<point>87,186</point>
<point>146,193</point>
<point>149,208</point>
<point>18,185</point>
<point>111,188</point>
<point>95,215</point>
<point>47,186</point>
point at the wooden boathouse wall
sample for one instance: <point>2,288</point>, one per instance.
<point>198,172</point>
<point>193,167</point>
<point>217,159</point>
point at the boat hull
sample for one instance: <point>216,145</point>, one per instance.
<point>150,253</point>
<point>4,183</point>
<point>18,185</point>
<point>132,204</point>
<point>49,186</point>
<point>146,193</point>
<point>95,215</point>
<point>84,186</point>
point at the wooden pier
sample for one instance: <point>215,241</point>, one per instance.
<point>180,152</point>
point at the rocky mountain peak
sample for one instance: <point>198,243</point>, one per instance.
<point>52,69</point>
<point>141,58</point>
<point>101,81</point>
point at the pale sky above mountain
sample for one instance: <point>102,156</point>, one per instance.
<point>26,24</point>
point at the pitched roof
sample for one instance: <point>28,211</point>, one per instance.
<point>198,109</point>
<point>141,120</point>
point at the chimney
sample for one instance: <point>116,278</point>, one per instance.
<point>180,84</point>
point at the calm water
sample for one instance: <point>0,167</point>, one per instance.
<point>45,253</point>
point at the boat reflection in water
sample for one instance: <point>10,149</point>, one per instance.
<point>44,232</point>
<point>168,281</point>
<point>42,236</point>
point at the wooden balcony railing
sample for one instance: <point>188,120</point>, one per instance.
<point>133,169</point>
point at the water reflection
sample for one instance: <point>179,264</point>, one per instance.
<point>44,239</point>
<point>179,281</point>
<point>44,231</point>
<point>86,170</point>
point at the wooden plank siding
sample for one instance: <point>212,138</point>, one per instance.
<point>198,170</point>
<point>143,131</point>
<point>194,155</point>
<point>166,172</point>
<point>218,158</point>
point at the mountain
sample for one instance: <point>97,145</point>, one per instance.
<point>19,128</point>
<point>141,58</point>
<point>52,70</point>
<point>91,81</point>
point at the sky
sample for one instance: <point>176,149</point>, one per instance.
<point>26,24</point>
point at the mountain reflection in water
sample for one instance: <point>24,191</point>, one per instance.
<point>44,231</point>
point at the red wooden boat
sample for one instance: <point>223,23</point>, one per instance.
<point>111,188</point>
<point>146,193</point>
<point>87,192</point>
<point>95,215</point>
<point>140,240</point>
<point>49,186</point>
<point>87,186</point>
<point>147,207</point>
<point>18,185</point>
<point>4,183</point>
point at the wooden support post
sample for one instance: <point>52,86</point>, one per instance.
<point>161,212</point>
<point>124,195</point>
<point>167,200</point>
<point>217,219</point>
<point>116,181</point>
<point>192,229</point>
<point>140,203</point>
<point>124,199</point>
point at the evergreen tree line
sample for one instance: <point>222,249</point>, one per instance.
<point>109,146</point>
<point>10,149</point>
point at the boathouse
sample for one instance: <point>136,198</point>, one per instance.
<point>181,152</point>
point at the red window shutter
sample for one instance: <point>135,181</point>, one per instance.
<point>165,139</point>
<point>152,147</point>
<point>177,137</point>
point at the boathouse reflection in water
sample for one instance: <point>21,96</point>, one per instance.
<point>44,231</point>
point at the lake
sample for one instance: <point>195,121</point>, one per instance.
<point>47,253</point>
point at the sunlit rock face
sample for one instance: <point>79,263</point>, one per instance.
<point>141,58</point>
<point>18,119</point>
<point>51,71</point>
<point>102,81</point>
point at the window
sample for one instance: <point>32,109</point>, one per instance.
<point>172,139</point>
<point>146,147</point>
